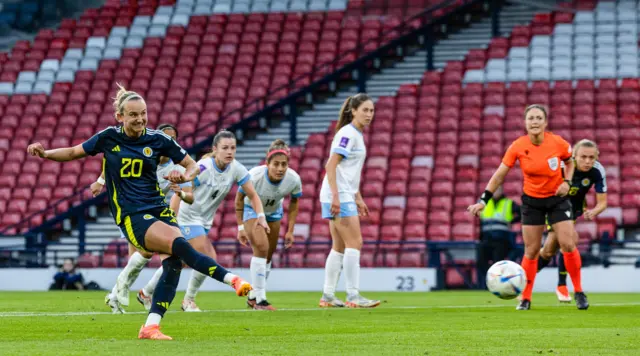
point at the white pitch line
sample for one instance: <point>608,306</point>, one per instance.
<point>479,306</point>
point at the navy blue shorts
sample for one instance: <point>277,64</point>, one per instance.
<point>135,226</point>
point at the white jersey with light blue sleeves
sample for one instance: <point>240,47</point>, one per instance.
<point>271,194</point>
<point>210,188</point>
<point>164,170</point>
<point>349,143</point>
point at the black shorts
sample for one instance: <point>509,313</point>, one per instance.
<point>135,226</point>
<point>539,211</point>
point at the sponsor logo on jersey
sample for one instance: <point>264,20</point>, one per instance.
<point>147,151</point>
<point>585,182</point>
<point>344,142</point>
<point>553,163</point>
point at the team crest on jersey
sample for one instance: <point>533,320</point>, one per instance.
<point>147,151</point>
<point>147,216</point>
<point>553,163</point>
<point>585,182</point>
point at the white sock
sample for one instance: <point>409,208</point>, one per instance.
<point>266,276</point>
<point>332,271</point>
<point>258,277</point>
<point>195,282</point>
<point>352,270</point>
<point>153,282</point>
<point>228,278</point>
<point>153,319</point>
<point>132,270</point>
<point>114,292</point>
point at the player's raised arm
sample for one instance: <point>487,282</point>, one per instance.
<point>58,154</point>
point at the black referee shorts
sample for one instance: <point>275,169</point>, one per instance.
<point>540,211</point>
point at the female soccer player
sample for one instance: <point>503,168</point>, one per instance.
<point>218,172</point>
<point>119,295</point>
<point>589,172</point>
<point>342,202</point>
<point>544,198</point>
<point>273,182</point>
<point>131,154</point>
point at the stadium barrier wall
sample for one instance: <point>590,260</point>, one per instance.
<point>594,279</point>
<point>284,279</point>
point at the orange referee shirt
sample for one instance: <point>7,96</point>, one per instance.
<point>540,164</point>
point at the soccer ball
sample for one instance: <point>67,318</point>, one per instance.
<point>506,279</point>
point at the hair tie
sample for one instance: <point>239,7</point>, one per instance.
<point>275,152</point>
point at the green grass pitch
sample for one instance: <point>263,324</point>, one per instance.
<point>437,323</point>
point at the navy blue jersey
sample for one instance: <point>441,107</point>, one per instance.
<point>582,182</point>
<point>130,166</point>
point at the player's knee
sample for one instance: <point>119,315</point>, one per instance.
<point>567,245</point>
<point>532,252</point>
<point>146,254</point>
<point>354,243</point>
<point>260,247</point>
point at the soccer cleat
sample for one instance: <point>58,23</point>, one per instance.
<point>525,304</point>
<point>152,332</point>
<point>330,301</point>
<point>189,306</point>
<point>144,300</point>
<point>115,306</point>
<point>358,301</point>
<point>563,294</point>
<point>264,305</point>
<point>122,293</point>
<point>241,286</point>
<point>251,302</point>
<point>581,300</point>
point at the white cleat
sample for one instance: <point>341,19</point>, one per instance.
<point>144,299</point>
<point>330,301</point>
<point>358,301</point>
<point>113,303</point>
<point>122,293</point>
<point>189,306</point>
<point>563,294</point>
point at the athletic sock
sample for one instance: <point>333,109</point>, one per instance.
<point>266,276</point>
<point>352,270</point>
<point>562,271</point>
<point>198,261</point>
<point>542,263</point>
<point>530,269</point>
<point>573,263</point>
<point>258,269</point>
<point>132,270</point>
<point>332,268</point>
<point>166,289</point>
<point>153,282</point>
<point>195,282</point>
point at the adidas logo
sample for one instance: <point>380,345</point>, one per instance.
<point>212,270</point>
<point>116,149</point>
<point>163,304</point>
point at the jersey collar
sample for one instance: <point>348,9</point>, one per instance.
<point>354,126</point>
<point>215,166</point>
<point>266,174</point>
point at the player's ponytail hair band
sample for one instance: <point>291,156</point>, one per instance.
<point>275,152</point>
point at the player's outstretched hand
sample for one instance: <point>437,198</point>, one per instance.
<point>288,240</point>
<point>262,221</point>
<point>176,177</point>
<point>475,209</point>
<point>96,188</point>
<point>36,149</point>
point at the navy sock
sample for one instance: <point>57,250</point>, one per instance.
<point>167,285</point>
<point>198,261</point>
<point>542,263</point>
<point>562,271</point>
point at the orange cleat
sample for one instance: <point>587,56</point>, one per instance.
<point>241,286</point>
<point>264,305</point>
<point>152,332</point>
<point>563,294</point>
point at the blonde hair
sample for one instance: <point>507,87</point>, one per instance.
<point>585,143</point>
<point>122,97</point>
<point>277,144</point>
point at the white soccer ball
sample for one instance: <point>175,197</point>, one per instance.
<point>506,279</point>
